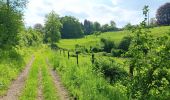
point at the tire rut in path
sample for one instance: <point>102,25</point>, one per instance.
<point>16,87</point>
<point>62,92</point>
<point>40,93</point>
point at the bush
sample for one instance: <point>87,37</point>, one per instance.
<point>96,49</point>
<point>116,52</point>
<point>81,49</point>
<point>125,43</point>
<point>107,44</point>
<point>110,69</point>
<point>54,46</point>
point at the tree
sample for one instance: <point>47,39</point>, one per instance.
<point>105,28</point>
<point>163,14</point>
<point>97,26</point>
<point>128,26</point>
<point>149,59</point>
<point>88,27</point>
<point>10,22</point>
<point>72,28</point>
<point>112,24</point>
<point>38,27</point>
<point>125,43</point>
<point>52,28</point>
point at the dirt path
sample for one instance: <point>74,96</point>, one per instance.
<point>17,85</point>
<point>40,93</point>
<point>62,92</point>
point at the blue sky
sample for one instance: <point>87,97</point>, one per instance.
<point>121,11</point>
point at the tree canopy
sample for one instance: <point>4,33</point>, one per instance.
<point>72,28</point>
<point>163,14</point>
<point>52,28</point>
<point>10,22</point>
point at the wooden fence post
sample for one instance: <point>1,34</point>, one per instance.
<point>92,58</point>
<point>77,56</point>
<point>63,52</point>
<point>68,54</point>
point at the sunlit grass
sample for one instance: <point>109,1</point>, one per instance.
<point>92,40</point>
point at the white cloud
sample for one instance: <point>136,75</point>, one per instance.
<point>95,10</point>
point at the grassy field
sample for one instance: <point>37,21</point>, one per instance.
<point>81,80</point>
<point>92,40</point>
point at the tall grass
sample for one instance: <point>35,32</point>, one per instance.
<point>82,82</point>
<point>49,89</point>
<point>11,63</point>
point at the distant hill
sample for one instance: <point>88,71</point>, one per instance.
<point>92,40</point>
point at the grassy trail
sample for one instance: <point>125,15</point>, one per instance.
<point>62,92</point>
<point>37,82</point>
<point>18,84</point>
<point>41,83</point>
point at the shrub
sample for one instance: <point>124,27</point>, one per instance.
<point>81,49</point>
<point>96,49</point>
<point>110,69</point>
<point>116,52</point>
<point>54,46</point>
<point>125,43</point>
<point>107,44</point>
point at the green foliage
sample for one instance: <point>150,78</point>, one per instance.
<point>71,28</point>
<point>117,52</point>
<point>97,26</point>
<point>111,27</point>
<point>125,43</point>
<point>128,26</point>
<point>81,49</point>
<point>83,82</point>
<point>10,25</point>
<point>97,33</point>
<point>110,69</point>
<point>52,28</point>
<point>150,61</point>
<point>92,40</point>
<point>107,44</point>
<point>96,48</point>
<point>162,14</point>
<point>38,27</point>
<point>88,27</point>
<point>12,63</point>
<point>30,37</point>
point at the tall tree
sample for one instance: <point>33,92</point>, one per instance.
<point>163,14</point>
<point>105,27</point>
<point>11,21</point>
<point>88,27</point>
<point>97,26</point>
<point>52,28</point>
<point>71,27</point>
<point>112,24</point>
